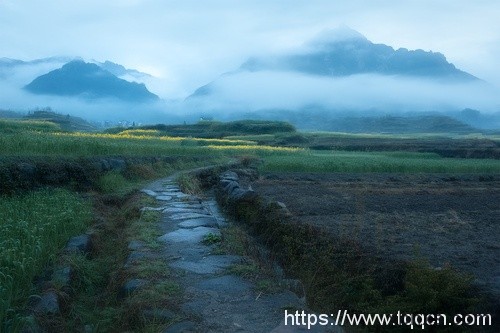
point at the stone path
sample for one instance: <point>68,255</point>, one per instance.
<point>213,299</point>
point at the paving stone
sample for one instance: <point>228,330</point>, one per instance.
<point>149,192</point>
<point>227,285</point>
<point>163,197</point>
<point>200,222</point>
<point>194,235</point>
<point>186,216</point>
<point>208,265</point>
<point>185,210</point>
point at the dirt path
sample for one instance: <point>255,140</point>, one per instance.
<point>213,300</point>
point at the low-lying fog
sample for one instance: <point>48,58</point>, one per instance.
<point>235,95</point>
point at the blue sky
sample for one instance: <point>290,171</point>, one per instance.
<point>189,43</point>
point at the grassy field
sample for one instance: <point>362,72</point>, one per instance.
<point>33,228</point>
<point>27,138</point>
<point>341,161</point>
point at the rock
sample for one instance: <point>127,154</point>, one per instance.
<point>132,285</point>
<point>230,187</point>
<point>230,175</point>
<point>175,210</point>
<point>239,195</point>
<point>164,197</point>
<point>62,276</point>
<point>48,304</point>
<point>30,325</point>
<point>194,235</point>
<point>149,192</point>
<point>154,209</point>
<point>199,222</point>
<point>281,204</point>
<point>134,257</point>
<point>135,245</point>
<point>81,243</point>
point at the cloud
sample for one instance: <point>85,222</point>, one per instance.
<point>250,91</point>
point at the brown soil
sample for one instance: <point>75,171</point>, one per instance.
<point>446,219</point>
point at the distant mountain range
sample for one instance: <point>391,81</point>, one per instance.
<point>345,52</point>
<point>91,81</point>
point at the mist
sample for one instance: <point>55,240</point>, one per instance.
<point>250,91</point>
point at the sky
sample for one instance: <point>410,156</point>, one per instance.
<point>189,43</point>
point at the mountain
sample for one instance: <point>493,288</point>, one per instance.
<point>343,52</point>
<point>120,70</point>
<point>78,78</point>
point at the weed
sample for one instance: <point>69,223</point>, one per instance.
<point>210,239</point>
<point>112,182</point>
<point>248,270</point>
<point>189,184</point>
<point>267,286</point>
<point>152,269</point>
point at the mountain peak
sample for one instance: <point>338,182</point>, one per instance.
<point>79,78</point>
<point>344,51</point>
<point>342,33</point>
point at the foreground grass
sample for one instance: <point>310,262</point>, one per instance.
<point>341,161</point>
<point>33,228</point>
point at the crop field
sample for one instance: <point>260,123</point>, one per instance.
<point>444,144</point>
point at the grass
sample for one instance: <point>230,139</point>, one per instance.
<point>27,142</point>
<point>189,184</point>
<point>211,239</point>
<point>404,162</point>
<point>15,126</point>
<point>33,227</point>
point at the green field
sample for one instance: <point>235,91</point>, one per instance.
<point>28,138</point>
<point>405,162</point>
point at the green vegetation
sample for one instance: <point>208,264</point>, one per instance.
<point>338,161</point>
<point>215,129</point>
<point>33,227</point>
<point>65,122</point>
<point>211,239</point>
<point>86,144</point>
<point>474,145</point>
<point>19,126</point>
